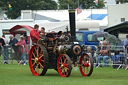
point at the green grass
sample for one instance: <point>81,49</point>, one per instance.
<point>21,75</point>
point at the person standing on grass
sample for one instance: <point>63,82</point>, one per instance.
<point>126,43</point>
<point>12,43</point>
<point>5,47</point>
<point>2,43</point>
<point>23,49</point>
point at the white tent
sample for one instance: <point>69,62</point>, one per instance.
<point>92,25</point>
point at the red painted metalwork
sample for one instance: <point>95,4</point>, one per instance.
<point>64,65</point>
<point>36,61</point>
<point>86,65</point>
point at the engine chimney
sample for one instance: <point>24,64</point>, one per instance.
<point>72,25</point>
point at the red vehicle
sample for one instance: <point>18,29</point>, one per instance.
<point>59,53</point>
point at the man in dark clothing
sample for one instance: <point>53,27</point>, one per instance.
<point>12,43</point>
<point>2,43</point>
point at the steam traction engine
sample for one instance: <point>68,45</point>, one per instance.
<point>60,53</point>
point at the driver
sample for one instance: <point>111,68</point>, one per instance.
<point>34,34</point>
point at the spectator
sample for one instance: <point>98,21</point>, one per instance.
<point>28,46</point>
<point>60,33</point>
<point>126,41</point>
<point>34,34</point>
<point>42,32</point>
<point>23,49</point>
<point>5,58</point>
<point>97,53</point>
<point>2,43</point>
<point>12,43</point>
<point>26,39</point>
<point>90,51</point>
<point>104,54</point>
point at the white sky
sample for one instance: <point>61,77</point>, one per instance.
<point>110,2</point>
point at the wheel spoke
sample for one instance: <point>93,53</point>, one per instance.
<point>85,60</point>
<point>84,69</point>
<point>37,50</point>
<point>65,60</point>
<point>42,60</point>
<point>60,63</point>
<point>66,71</point>
<point>60,67</point>
<point>63,71</point>
<point>61,60</point>
<point>33,54</point>
<point>33,64</point>
<point>41,65</point>
<point>32,59</point>
<point>37,68</point>
<point>87,70</point>
<point>41,56</point>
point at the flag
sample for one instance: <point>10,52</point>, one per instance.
<point>79,9</point>
<point>96,2</point>
<point>10,7</point>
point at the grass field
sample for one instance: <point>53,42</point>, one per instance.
<point>21,75</point>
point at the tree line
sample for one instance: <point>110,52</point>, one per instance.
<point>13,7</point>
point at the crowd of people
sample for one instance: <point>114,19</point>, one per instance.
<point>16,46</point>
<point>103,52</point>
<point>19,48</point>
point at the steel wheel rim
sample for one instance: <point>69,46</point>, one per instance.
<point>36,60</point>
<point>62,65</point>
<point>85,65</point>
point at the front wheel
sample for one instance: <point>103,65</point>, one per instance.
<point>38,60</point>
<point>86,65</point>
<point>64,65</point>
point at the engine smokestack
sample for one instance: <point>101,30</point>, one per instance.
<point>72,25</point>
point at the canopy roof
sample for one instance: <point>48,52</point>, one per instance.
<point>20,29</point>
<point>97,16</point>
<point>119,28</point>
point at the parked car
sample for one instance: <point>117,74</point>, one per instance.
<point>86,38</point>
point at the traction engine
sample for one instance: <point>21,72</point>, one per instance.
<point>60,53</point>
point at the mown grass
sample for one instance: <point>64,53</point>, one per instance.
<point>21,75</point>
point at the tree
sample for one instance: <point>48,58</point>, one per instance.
<point>100,4</point>
<point>65,4</point>
<point>121,1</point>
<point>18,5</point>
<point>86,4</point>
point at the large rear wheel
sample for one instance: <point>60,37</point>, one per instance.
<point>38,60</point>
<point>64,65</point>
<point>86,65</point>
